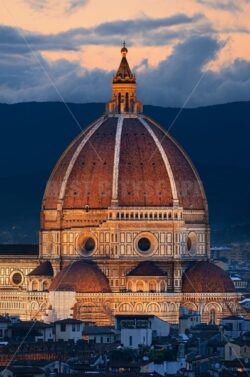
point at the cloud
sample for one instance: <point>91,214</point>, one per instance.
<point>67,6</point>
<point>37,4</point>
<point>75,4</point>
<point>144,24</point>
<point>144,31</point>
<point>24,78</point>
<point>175,78</point>
<point>226,5</point>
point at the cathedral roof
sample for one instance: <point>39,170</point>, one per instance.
<point>44,269</point>
<point>81,277</point>
<point>146,268</point>
<point>206,277</point>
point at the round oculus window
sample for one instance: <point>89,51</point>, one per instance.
<point>88,246</point>
<point>17,278</point>
<point>144,244</point>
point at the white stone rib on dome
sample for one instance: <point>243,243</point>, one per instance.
<point>117,160</point>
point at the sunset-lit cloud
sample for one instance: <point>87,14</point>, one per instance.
<point>73,44</point>
<point>68,5</point>
<point>226,5</point>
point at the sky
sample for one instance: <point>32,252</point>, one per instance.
<point>184,52</point>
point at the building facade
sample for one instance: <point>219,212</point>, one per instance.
<point>124,228</point>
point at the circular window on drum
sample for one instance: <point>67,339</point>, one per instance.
<point>86,245</point>
<point>145,243</point>
<point>16,278</point>
<point>192,243</point>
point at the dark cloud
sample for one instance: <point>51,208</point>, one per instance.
<point>26,76</point>
<point>144,25</point>
<point>226,5</point>
<point>32,78</point>
<point>173,80</point>
<point>144,31</point>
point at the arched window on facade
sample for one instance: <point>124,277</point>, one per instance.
<point>45,285</point>
<point>125,307</point>
<point>139,307</point>
<point>152,286</point>
<point>153,308</point>
<point>140,286</point>
<point>35,285</point>
<point>162,286</point>
<point>130,286</point>
<point>172,307</point>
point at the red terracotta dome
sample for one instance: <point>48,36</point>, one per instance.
<point>206,277</point>
<point>81,277</point>
<point>129,160</point>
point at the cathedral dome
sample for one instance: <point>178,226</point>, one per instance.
<point>206,277</point>
<point>124,159</point>
<point>81,277</point>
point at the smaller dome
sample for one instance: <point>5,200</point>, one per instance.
<point>81,277</point>
<point>206,277</point>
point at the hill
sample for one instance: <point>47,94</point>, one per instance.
<point>33,135</point>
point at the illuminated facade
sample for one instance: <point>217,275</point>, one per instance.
<point>124,227</point>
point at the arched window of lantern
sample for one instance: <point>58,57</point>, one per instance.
<point>119,102</point>
<point>127,103</point>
